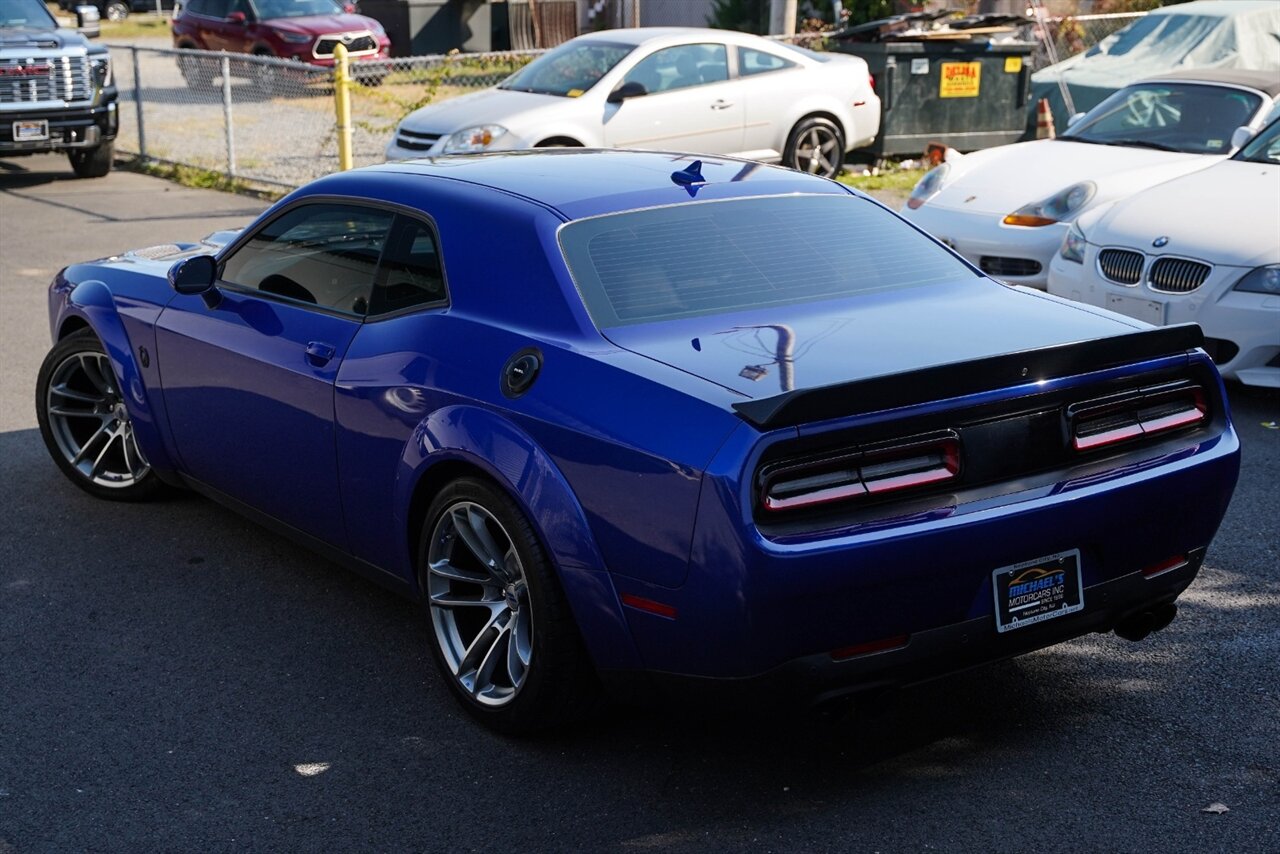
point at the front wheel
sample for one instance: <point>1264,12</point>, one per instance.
<point>93,162</point>
<point>501,630</point>
<point>816,146</point>
<point>85,423</point>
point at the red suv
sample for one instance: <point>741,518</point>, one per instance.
<point>303,30</point>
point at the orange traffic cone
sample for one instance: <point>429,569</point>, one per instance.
<point>1044,120</point>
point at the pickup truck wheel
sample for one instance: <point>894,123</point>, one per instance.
<point>93,162</point>
<point>500,626</point>
<point>816,146</point>
<point>116,10</point>
<point>85,424</point>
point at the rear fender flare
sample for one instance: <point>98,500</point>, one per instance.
<point>512,459</point>
<point>92,302</point>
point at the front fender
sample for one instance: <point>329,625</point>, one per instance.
<point>122,336</point>
<point>490,442</point>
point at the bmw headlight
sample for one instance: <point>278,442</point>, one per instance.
<point>1056,208</point>
<point>474,139</point>
<point>1073,245</point>
<point>1263,280</point>
<point>928,186</point>
<point>100,68</point>
<point>292,37</point>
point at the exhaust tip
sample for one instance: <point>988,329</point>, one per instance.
<point>1136,627</point>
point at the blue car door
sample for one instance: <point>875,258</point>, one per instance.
<point>249,381</point>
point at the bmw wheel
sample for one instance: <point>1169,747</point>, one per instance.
<point>816,146</point>
<point>501,630</point>
<point>85,422</point>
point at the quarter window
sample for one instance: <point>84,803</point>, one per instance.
<point>681,67</point>
<point>758,62</point>
<point>323,254</point>
<point>410,274</point>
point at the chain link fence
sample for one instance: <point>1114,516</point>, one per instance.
<point>271,121</point>
<point>1072,35</point>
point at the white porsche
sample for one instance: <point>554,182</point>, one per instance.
<point>1007,209</point>
<point>699,90</point>
<point>1203,248</point>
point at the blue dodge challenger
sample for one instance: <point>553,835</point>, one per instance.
<point>644,424</point>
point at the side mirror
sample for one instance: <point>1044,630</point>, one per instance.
<point>630,89</point>
<point>237,18</point>
<point>350,8</point>
<point>195,277</point>
<point>1240,136</point>
<point>88,21</point>
<point>1077,117</point>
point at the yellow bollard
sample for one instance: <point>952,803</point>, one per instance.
<point>342,98</point>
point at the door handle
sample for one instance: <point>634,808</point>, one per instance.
<point>721,104</point>
<point>319,353</point>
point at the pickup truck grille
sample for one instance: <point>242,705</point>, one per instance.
<point>45,78</point>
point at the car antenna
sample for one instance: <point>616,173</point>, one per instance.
<point>690,177</point>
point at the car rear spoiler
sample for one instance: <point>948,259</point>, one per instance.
<point>962,378</point>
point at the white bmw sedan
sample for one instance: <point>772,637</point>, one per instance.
<point>1203,248</point>
<point>1007,209</point>
<point>699,90</point>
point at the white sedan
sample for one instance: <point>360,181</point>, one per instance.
<point>1203,248</point>
<point>1007,209</point>
<point>699,90</point>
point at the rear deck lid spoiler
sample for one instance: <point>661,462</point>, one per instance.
<point>957,379</point>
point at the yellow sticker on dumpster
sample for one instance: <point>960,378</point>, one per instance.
<point>960,80</point>
<point>1012,64</point>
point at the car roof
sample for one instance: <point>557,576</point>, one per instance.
<point>581,182</point>
<point>1263,81</point>
<point>642,35</point>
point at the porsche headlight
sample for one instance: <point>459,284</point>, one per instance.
<point>928,186</point>
<point>100,68</point>
<point>1056,208</point>
<point>1073,245</point>
<point>1263,280</point>
<point>474,139</point>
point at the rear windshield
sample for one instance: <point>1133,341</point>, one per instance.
<point>722,256</point>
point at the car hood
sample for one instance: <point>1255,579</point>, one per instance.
<point>1244,199</point>
<point>491,106</point>
<point>1001,180</point>
<point>769,351</point>
<point>46,38</point>
<point>318,25</point>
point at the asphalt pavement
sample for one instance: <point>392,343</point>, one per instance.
<point>173,677</point>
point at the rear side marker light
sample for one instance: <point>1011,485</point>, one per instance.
<point>649,606</point>
<point>1150,414</point>
<point>853,476</point>
<point>882,645</point>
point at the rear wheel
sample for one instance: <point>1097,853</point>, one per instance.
<point>93,162</point>
<point>816,146</point>
<point>501,630</point>
<point>85,423</point>
<point>116,10</point>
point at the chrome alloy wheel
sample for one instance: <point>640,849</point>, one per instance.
<point>479,601</point>
<point>818,151</point>
<point>90,423</point>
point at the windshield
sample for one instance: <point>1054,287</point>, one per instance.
<point>1187,117</point>
<point>1263,148</point>
<point>569,70</point>
<point>724,256</point>
<point>25,13</point>
<point>268,9</point>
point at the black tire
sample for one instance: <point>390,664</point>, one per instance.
<point>559,683</point>
<point>559,142</point>
<point>115,10</point>
<point>61,434</point>
<point>815,134</point>
<point>93,162</point>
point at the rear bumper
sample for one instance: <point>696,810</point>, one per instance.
<point>69,129</point>
<point>927,655</point>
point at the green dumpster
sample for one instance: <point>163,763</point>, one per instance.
<point>964,94</point>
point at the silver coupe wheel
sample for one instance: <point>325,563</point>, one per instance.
<point>90,424</point>
<point>818,151</point>
<point>479,600</point>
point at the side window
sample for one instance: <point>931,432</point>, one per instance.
<point>195,7</point>
<point>323,254</point>
<point>410,274</point>
<point>215,8</point>
<point>681,67</point>
<point>758,62</point>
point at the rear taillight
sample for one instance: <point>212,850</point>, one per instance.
<point>1098,424</point>
<point>860,474</point>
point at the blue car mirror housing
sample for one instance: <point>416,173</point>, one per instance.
<point>193,276</point>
